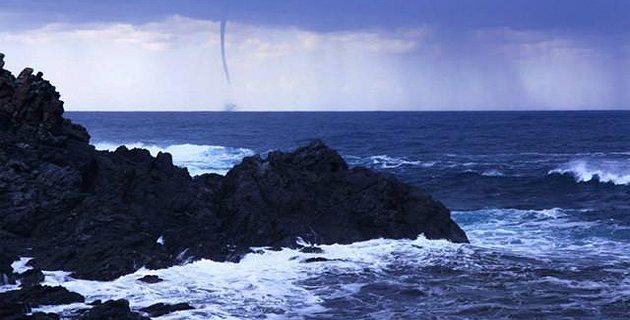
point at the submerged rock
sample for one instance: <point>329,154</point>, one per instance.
<point>160,309</point>
<point>311,249</point>
<point>316,259</point>
<point>98,214</point>
<point>150,279</point>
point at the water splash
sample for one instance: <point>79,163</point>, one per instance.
<point>198,159</point>
<point>603,170</point>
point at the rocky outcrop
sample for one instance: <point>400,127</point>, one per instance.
<point>100,214</point>
<point>31,278</point>
<point>311,193</point>
<point>35,296</point>
<point>6,271</point>
<point>16,304</point>
<point>111,310</point>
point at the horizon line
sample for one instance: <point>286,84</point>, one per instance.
<point>321,111</point>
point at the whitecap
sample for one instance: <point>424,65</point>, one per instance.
<point>198,159</point>
<point>388,162</point>
<point>493,173</point>
<point>584,170</point>
<point>542,233</point>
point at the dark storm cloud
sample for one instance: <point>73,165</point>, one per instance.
<point>603,16</point>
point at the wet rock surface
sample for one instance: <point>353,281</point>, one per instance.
<point>315,259</point>
<point>38,295</point>
<point>7,275</point>
<point>150,279</point>
<point>13,310</point>
<point>37,316</point>
<point>311,193</point>
<point>160,309</point>
<point>110,310</point>
<point>16,304</point>
<point>31,278</point>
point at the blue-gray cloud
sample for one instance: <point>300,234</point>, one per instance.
<point>602,16</point>
<point>329,54</point>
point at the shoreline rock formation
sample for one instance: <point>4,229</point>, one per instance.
<point>102,214</point>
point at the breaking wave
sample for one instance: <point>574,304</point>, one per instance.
<point>268,284</point>
<point>608,171</point>
<point>387,162</point>
<point>426,277</point>
<point>198,159</point>
<point>529,250</point>
<point>544,232</point>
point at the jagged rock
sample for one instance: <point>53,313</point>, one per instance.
<point>150,279</point>
<point>311,193</point>
<point>13,310</point>
<point>40,295</point>
<point>111,310</point>
<point>31,278</point>
<point>98,214</point>
<point>6,271</point>
<point>160,309</point>
<point>40,316</point>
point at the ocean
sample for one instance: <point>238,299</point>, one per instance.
<point>543,196</point>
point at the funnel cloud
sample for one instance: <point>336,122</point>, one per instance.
<point>225,66</point>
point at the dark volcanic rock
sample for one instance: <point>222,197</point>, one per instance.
<point>312,249</point>
<point>13,310</point>
<point>160,309</point>
<point>316,259</point>
<point>6,271</point>
<point>14,305</point>
<point>99,214</point>
<point>39,316</point>
<point>111,310</point>
<point>311,193</point>
<point>150,279</point>
<point>40,295</point>
<point>31,277</point>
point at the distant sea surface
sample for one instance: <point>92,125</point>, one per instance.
<point>543,196</point>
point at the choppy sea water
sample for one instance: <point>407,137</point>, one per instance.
<point>543,196</point>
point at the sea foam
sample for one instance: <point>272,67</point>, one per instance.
<point>266,284</point>
<point>198,159</point>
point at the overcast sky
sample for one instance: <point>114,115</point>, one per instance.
<point>326,54</point>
